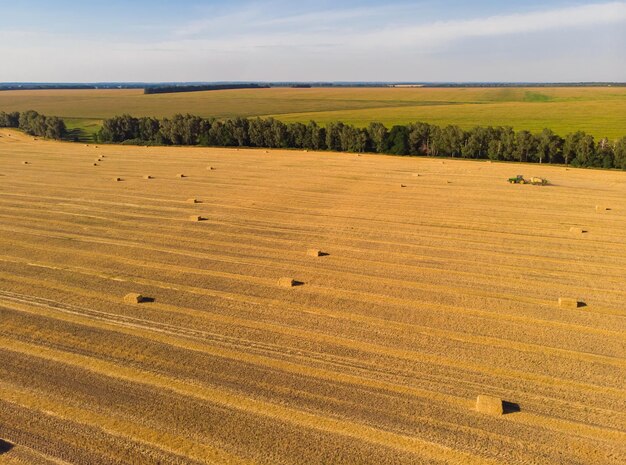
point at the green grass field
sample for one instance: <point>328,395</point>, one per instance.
<point>600,111</point>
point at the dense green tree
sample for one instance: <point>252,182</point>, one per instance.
<point>415,139</point>
<point>9,120</point>
<point>55,128</point>
<point>509,144</point>
<point>477,142</point>
<point>257,133</point>
<point>352,139</point>
<point>419,139</point>
<point>148,129</point>
<point>605,153</point>
<point>377,134</point>
<point>119,129</point>
<point>451,141</point>
<point>549,147</point>
<point>333,139</point>
<point>585,151</point>
<point>570,146</point>
<point>398,141</point>
<point>619,154</point>
<point>435,138</point>
<point>317,136</point>
<point>525,145</point>
<point>299,135</point>
<point>35,124</point>
<point>279,134</point>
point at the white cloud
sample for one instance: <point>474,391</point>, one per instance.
<point>355,44</point>
<point>448,31</point>
<point>251,28</point>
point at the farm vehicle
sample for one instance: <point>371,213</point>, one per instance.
<point>535,181</point>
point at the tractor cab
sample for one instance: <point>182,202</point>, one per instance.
<point>519,179</point>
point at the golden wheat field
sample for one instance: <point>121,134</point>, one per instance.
<point>438,282</point>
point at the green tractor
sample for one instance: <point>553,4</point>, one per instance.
<point>519,179</point>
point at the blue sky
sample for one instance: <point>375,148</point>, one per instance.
<point>190,40</point>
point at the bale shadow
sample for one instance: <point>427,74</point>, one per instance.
<point>510,407</point>
<point>147,300</point>
<point>5,446</point>
<point>581,304</point>
<point>298,283</point>
<point>323,254</point>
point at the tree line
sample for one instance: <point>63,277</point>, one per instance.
<point>165,89</point>
<point>34,124</point>
<point>417,139</point>
<point>420,139</point>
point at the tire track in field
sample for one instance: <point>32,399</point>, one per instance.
<point>368,347</point>
<point>368,297</point>
<point>425,222</point>
<point>196,314</point>
<point>283,413</point>
<point>365,297</point>
<point>241,347</point>
<point>271,227</point>
<point>335,238</point>
<point>195,450</point>
<point>264,262</point>
<point>350,294</point>
<point>200,315</point>
<point>296,255</point>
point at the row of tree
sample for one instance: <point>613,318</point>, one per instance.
<point>165,89</point>
<point>34,124</point>
<point>495,143</point>
<point>421,139</point>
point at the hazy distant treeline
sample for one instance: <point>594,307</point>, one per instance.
<point>204,87</point>
<point>421,139</point>
<point>34,124</point>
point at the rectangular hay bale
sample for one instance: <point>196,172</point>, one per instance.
<point>314,253</point>
<point>490,405</point>
<point>286,282</point>
<point>133,298</point>
<point>567,302</point>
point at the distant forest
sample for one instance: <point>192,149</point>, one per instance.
<point>149,88</point>
<point>185,88</point>
<point>417,139</point>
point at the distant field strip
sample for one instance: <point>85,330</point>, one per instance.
<point>600,111</point>
<point>429,295</point>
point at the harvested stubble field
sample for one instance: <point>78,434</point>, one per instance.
<point>424,298</point>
